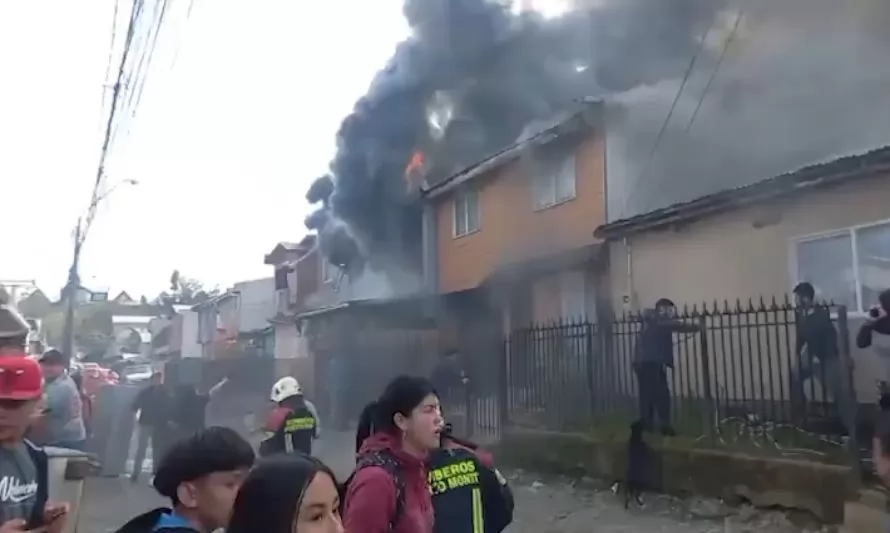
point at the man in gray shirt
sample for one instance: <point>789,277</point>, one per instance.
<point>23,466</point>
<point>63,423</point>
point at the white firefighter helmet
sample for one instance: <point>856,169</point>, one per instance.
<point>285,388</point>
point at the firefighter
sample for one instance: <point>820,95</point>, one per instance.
<point>469,494</point>
<point>293,424</point>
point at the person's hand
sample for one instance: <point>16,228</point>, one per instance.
<point>16,526</point>
<point>874,314</point>
<point>55,515</point>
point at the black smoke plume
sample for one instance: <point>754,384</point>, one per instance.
<point>803,80</point>
<point>469,79</point>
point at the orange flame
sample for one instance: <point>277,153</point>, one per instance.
<point>415,163</point>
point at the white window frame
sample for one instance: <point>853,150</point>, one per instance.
<point>459,199</point>
<point>850,231</point>
<point>549,179</point>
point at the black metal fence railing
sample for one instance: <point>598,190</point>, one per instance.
<point>730,374</point>
<point>734,374</point>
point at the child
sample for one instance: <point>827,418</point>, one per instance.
<point>201,476</point>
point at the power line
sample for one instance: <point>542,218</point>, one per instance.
<point>726,46</point>
<point>110,52</point>
<point>109,124</point>
<point>667,119</point>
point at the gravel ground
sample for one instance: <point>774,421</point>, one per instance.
<point>557,505</point>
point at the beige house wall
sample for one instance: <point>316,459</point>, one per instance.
<point>747,253</point>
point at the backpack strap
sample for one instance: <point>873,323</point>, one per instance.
<point>41,464</point>
<point>385,460</point>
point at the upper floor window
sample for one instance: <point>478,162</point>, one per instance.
<point>466,213</point>
<point>849,267</point>
<point>554,179</point>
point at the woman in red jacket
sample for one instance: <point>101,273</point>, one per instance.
<point>389,491</point>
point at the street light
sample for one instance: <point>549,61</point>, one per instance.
<point>73,284</point>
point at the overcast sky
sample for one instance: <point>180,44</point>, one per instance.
<point>227,137</point>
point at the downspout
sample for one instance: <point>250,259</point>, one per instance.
<point>630,293</point>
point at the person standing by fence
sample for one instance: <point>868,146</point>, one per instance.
<point>878,321</point>
<point>817,348</point>
<point>654,354</point>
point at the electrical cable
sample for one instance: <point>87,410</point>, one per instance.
<point>726,46</point>
<point>110,54</point>
<point>109,125</point>
<point>667,119</point>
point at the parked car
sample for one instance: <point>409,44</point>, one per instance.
<point>95,377</point>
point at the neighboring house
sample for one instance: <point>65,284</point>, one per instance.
<point>297,274</point>
<point>123,299</point>
<point>35,305</point>
<point>296,279</point>
<point>828,224</point>
<point>256,307</point>
<point>218,326</point>
<point>515,226</point>
<point>191,347</point>
<point>167,333</point>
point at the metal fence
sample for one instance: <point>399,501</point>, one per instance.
<point>738,378</point>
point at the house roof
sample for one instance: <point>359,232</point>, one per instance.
<point>561,126</point>
<point>869,164</point>
<point>214,301</point>
<point>305,244</point>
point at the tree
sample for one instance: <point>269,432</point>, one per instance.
<point>185,291</point>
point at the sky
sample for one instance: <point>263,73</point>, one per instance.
<point>238,117</point>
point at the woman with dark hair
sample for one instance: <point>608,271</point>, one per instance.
<point>288,494</point>
<point>389,491</point>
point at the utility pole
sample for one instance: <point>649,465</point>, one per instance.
<point>73,284</point>
<point>70,293</point>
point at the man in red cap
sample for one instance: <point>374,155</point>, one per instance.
<point>23,466</point>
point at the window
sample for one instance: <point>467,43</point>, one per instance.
<point>466,213</point>
<point>554,179</point>
<point>849,267</point>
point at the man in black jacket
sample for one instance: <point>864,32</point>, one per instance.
<point>153,405</point>
<point>818,355</point>
<point>654,354</point>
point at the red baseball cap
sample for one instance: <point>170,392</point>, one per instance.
<point>20,378</point>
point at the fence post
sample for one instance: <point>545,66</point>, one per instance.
<point>589,333</point>
<point>706,379</point>
<point>848,405</point>
<point>504,383</point>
